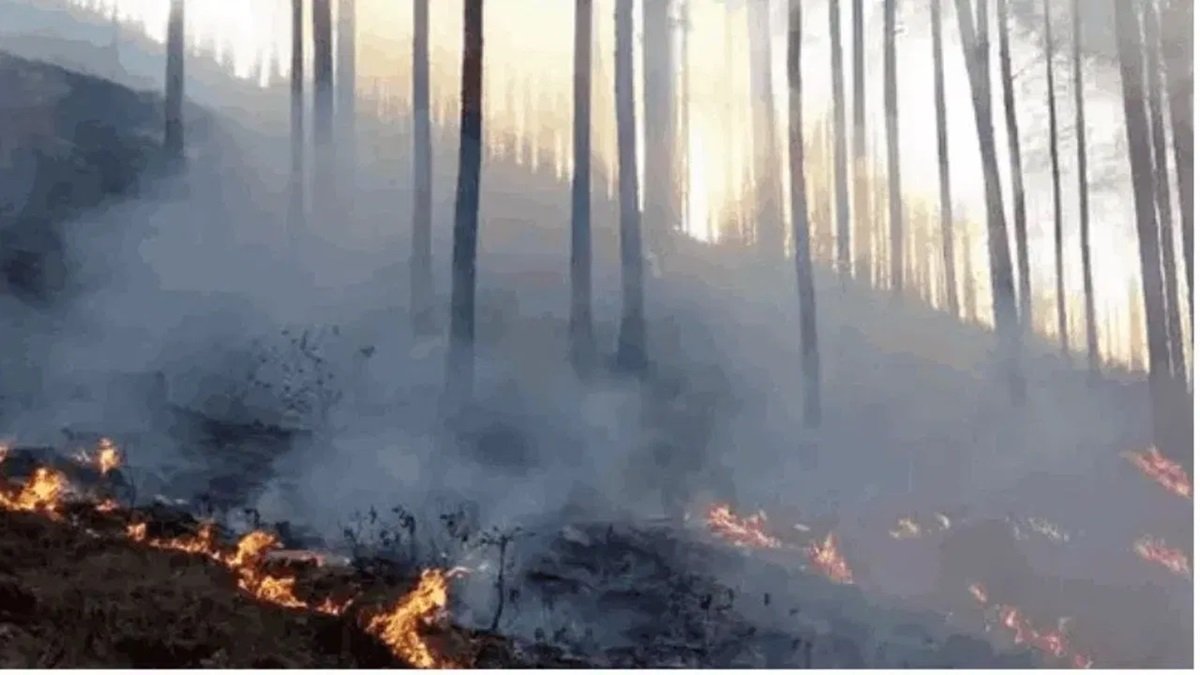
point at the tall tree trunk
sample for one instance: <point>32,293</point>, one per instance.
<point>661,211</point>
<point>970,309</point>
<point>685,115</point>
<point>1085,246</point>
<point>1004,309</point>
<point>582,348</point>
<point>809,355</point>
<point>1162,186</point>
<point>839,152</point>
<point>173,137</point>
<point>765,185</point>
<point>890,104</point>
<point>1177,40</point>
<point>323,174</point>
<point>296,181</point>
<point>1056,179</point>
<point>947,213</point>
<point>1165,425</point>
<point>421,257</point>
<point>1018,176</point>
<point>460,367</point>
<point>347,72</point>
<point>631,341</point>
<point>862,208</point>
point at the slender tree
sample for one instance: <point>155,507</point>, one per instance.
<point>1085,246</point>
<point>809,356</point>
<point>891,112</point>
<point>460,366</point>
<point>1177,40</point>
<point>296,182</point>
<point>631,340</point>
<point>1162,185</point>
<point>173,137</point>
<point>323,193</point>
<point>582,348</point>
<point>421,257</point>
<point>347,71</point>
<point>1014,158</point>
<point>947,213</point>
<point>1056,181</point>
<point>661,211</point>
<point>839,141</point>
<point>862,208</point>
<point>970,309</point>
<point>1004,310</point>
<point>1137,132</point>
<point>765,186</point>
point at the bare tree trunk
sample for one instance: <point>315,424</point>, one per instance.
<point>347,72</point>
<point>969,306</point>
<point>1018,176</point>
<point>631,341</point>
<point>768,200</point>
<point>173,137</point>
<point>809,355</point>
<point>460,370</point>
<point>839,152</point>
<point>661,211</point>
<point>296,181</point>
<point>685,113</point>
<point>890,104</point>
<point>1166,425</point>
<point>1177,40</point>
<point>323,174</point>
<point>421,260</point>
<point>582,339</point>
<point>1085,247</point>
<point>862,209</point>
<point>1056,179</point>
<point>1004,310</point>
<point>1162,186</point>
<point>947,213</point>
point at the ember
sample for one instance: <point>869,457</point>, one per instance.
<point>1157,551</point>
<point>1051,642</point>
<point>826,557</point>
<point>1162,470</point>
<point>42,493</point>
<point>106,458</point>
<point>400,627</point>
<point>749,532</point>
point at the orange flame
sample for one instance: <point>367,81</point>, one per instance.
<point>1051,642</point>
<point>1166,473</point>
<point>107,457</point>
<point>42,493</point>
<point>1157,551</point>
<point>400,627</point>
<point>749,532</point>
<point>107,506</point>
<point>826,557</point>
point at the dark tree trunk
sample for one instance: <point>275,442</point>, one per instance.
<point>1162,187</point>
<point>582,348</point>
<point>173,138</point>
<point>1018,176</point>
<point>1085,247</point>
<point>296,181</point>
<point>660,199</point>
<point>839,140</point>
<point>862,207</point>
<point>947,213</point>
<point>421,261</point>
<point>809,355</point>
<point>631,341</point>
<point>1166,426</point>
<point>1056,180</point>
<point>347,71</point>
<point>1004,309</point>
<point>1177,40</point>
<point>765,184</point>
<point>323,174</point>
<point>890,104</point>
<point>460,366</point>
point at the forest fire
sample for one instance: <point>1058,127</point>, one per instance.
<point>400,626</point>
<point>748,532</point>
<point>1157,551</point>
<point>828,560</point>
<point>1051,642</point>
<point>1163,471</point>
<point>42,493</point>
<point>106,458</point>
